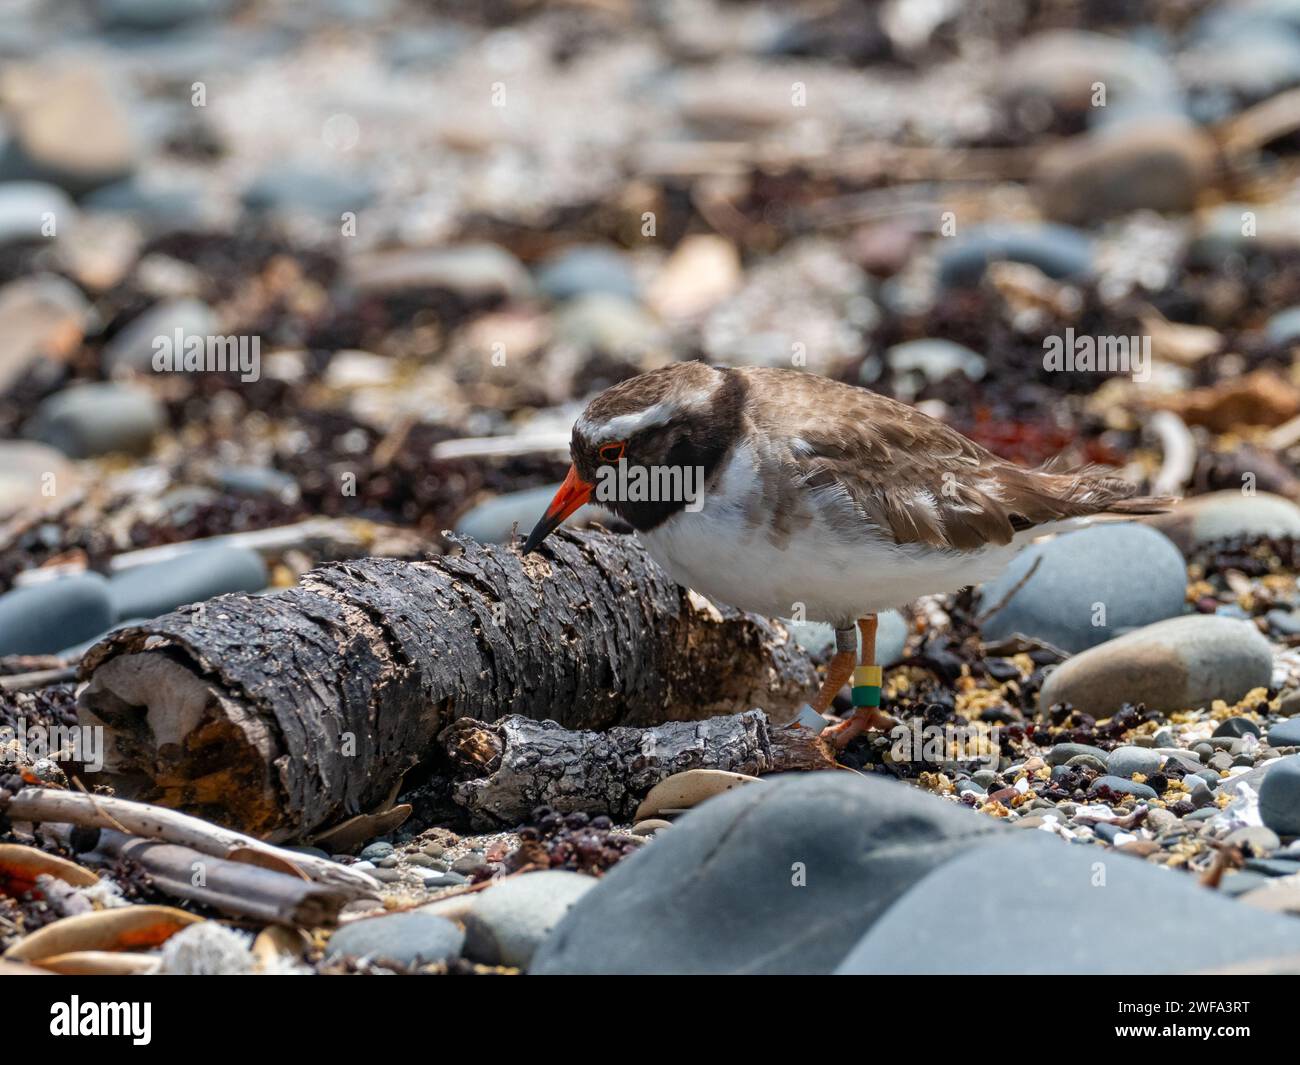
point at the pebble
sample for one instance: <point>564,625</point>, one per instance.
<point>1259,839</point>
<point>407,939</point>
<point>583,270</point>
<point>375,851</point>
<point>495,520</point>
<point>609,324</point>
<point>472,271</point>
<point>950,921</point>
<point>1159,163</point>
<point>28,207</point>
<point>445,880</point>
<point>132,348</point>
<point>1122,787</point>
<point>1236,727</point>
<point>1088,586</point>
<point>292,189</point>
<point>1282,328</point>
<point>915,363</point>
<point>1285,733</point>
<point>149,590</point>
<point>28,473</point>
<point>1063,752</point>
<point>820,855</point>
<point>69,127</point>
<point>1171,665</point>
<point>1058,251</point>
<point>510,920</point>
<point>468,863</point>
<point>681,791</point>
<point>42,322</point>
<point>1125,761</point>
<point>97,419</point>
<point>650,826</point>
<point>46,617</point>
<point>1228,514</point>
<point>1279,796</point>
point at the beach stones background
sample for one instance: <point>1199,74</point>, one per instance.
<point>1171,665</point>
<point>1087,587</point>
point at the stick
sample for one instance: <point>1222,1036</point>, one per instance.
<point>509,767</point>
<point>156,822</point>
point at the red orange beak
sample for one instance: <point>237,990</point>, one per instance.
<point>573,493</point>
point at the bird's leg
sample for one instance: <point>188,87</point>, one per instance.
<point>838,670</point>
<point>866,690</point>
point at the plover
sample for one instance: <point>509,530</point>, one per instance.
<point>791,495</point>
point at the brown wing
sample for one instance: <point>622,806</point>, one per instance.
<point>864,456</point>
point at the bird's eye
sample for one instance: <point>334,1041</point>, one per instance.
<point>612,452</point>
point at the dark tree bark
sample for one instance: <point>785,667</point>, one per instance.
<point>508,768</point>
<point>284,713</point>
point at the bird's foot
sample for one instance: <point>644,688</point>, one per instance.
<point>866,719</point>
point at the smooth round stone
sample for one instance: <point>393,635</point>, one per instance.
<point>1087,761</point>
<point>608,323</point>
<point>818,637</point>
<point>1158,164</point>
<point>821,856</point>
<point>156,209</point>
<point>1058,251</point>
<point>411,938</point>
<point>25,207</point>
<point>509,921</point>
<point>25,470</point>
<point>1285,733</point>
<point>495,520</point>
<point>1172,665</point>
<point>150,590</point>
<point>97,419</point>
<point>42,320</point>
<point>472,271</point>
<point>1279,796</point>
<point>583,270</point>
<point>1121,787</point>
<point>318,192</point>
<point>1250,63</point>
<point>69,128</point>
<point>42,619</point>
<point>1063,752</point>
<point>376,851</point>
<point>258,481</point>
<point>1236,727</point>
<point>1125,575</point>
<point>1286,622</point>
<point>950,921</point>
<point>919,362</point>
<point>1227,514</point>
<point>132,348</point>
<point>1125,761</point>
<point>1284,327</point>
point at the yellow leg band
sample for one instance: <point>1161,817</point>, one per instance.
<point>864,676</point>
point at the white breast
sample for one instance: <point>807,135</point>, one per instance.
<point>817,572</point>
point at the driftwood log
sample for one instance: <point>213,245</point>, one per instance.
<point>505,769</point>
<point>285,713</point>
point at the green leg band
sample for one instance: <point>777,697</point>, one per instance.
<point>866,695</point>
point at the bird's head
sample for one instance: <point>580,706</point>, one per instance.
<point>658,435</point>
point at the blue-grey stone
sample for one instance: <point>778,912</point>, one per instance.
<point>1178,664</point>
<point>1279,796</point>
<point>134,346</point>
<point>411,938</point>
<point>149,590</point>
<point>1088,587</point>
<point>494,520</point>
<point>1059,251</point>
<point>1228,514</point>
<point>318,192</point>
<point>919,362</point>
<point>156,15</point>
<point>43,618</point>
<point>375,851</point>
<point>818,637</point>
<point>1284,327</point>
<point>582,270</point>
<point>1144,920</point>
<point>97,419</point>
<point>1125,761</point>
<point>25,206</point>
<point>1063,752</point>
<point>1285,733</point>
<point>1286,622</point>
<point>509,921</point>
<point>472,271</point>
<point>258,481</point>
<point>1121,787</point>
<point>777,877</point>
<point>1235,728</point>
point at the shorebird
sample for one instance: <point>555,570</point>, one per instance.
<point>791,495</point>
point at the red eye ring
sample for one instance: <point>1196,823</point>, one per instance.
<point>611,452</point>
